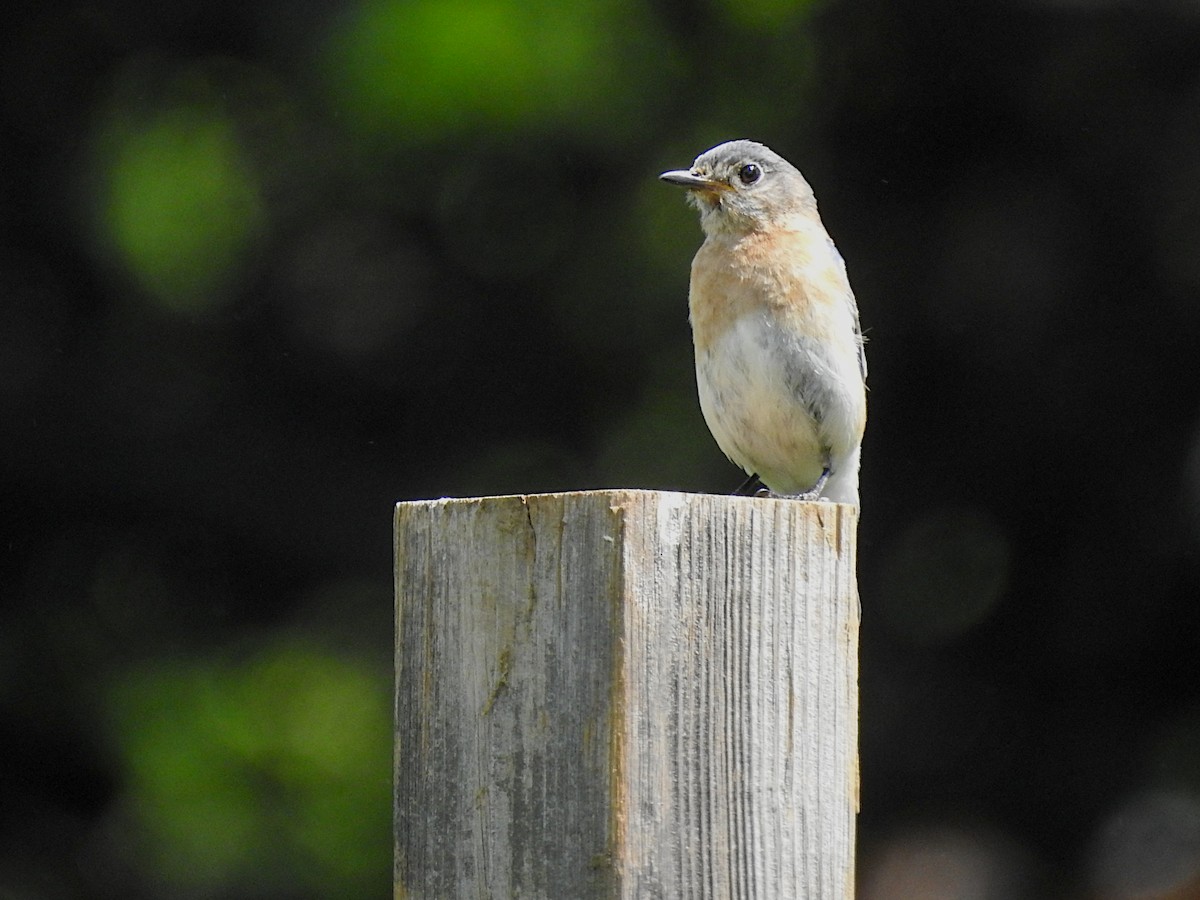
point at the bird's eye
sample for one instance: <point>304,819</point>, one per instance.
<point>749,173</point>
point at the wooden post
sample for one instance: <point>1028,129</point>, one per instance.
<point>633,694</point>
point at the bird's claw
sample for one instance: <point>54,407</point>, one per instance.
<point>813,493</point>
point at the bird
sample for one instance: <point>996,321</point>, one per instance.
<point>781,366</point>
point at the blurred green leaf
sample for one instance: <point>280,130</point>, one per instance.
<point>416,69</point>
<point>180,206</point>
<point>274,770</point>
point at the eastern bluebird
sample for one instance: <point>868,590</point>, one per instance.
<point>780,365</point>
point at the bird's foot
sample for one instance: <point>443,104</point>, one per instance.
<point>750,487</point>
<point>813,493</point>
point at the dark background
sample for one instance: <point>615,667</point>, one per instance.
<point>265,271</point>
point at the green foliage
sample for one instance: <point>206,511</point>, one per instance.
<point>271,771</point>
<point>179,206</point>
<point>419,69</point>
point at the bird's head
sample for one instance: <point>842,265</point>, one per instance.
<point>743,186</point>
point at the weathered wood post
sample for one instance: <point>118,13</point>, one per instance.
<point>633,694</point>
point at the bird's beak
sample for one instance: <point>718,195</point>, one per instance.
<point>688,179</point>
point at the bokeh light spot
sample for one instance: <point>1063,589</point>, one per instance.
<point>237,769</point>
<point>944,575</point>
<point>352,285</point>
<point>1174,758</point>
<point>1149,849</point>
<point>422,68</point>
<point>180,207</point>
<point>944,863</point>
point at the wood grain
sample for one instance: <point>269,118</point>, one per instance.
<point>628,694</point>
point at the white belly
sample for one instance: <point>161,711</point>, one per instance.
<point>782,408</point>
